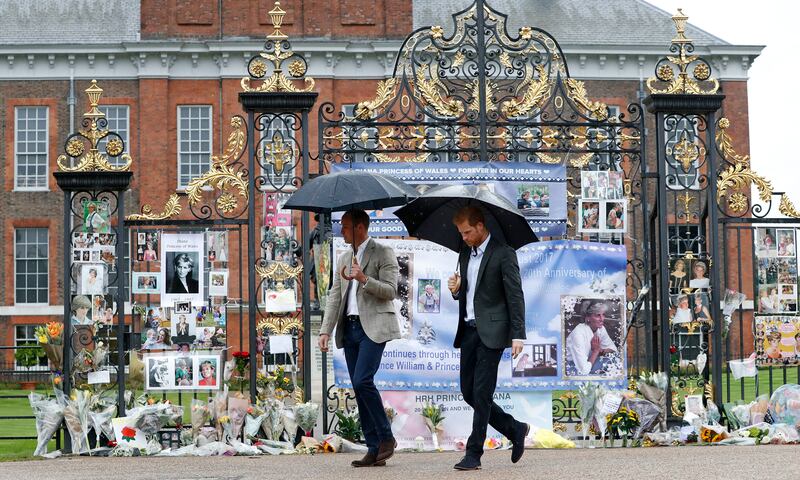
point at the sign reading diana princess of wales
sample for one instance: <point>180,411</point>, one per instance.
<point>539,191</point>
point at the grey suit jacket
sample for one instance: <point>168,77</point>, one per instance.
<point>375,298</point>
<point>499,302</point>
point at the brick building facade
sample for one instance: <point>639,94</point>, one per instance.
<point>156,56</point>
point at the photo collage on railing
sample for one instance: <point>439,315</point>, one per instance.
<point>776,325</point>
<point>278,246</point>
<point>93,259</point>
<point>179,285</point>
<point>689,310</point>
<point>602,207</point>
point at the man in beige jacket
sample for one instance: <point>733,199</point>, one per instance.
<point>360,305</point>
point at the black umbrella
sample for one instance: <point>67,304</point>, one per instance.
<point>430,216</point>
<point>350,189</point>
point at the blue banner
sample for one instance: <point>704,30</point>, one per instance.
<point>538,190</point>
<point>567,286</point>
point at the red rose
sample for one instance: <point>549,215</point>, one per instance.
<point>128,434</point>
<point>673,349</point>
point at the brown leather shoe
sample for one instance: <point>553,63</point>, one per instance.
<point>368,461</point>
<point>386,449</point>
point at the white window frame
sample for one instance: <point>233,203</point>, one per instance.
<point>281,181</point>
<point>31,339</point>
<point>17,184</point>
<point>676,228</point>
<point>125,133</point>
<point>178,110</point>
<point>47,262</point>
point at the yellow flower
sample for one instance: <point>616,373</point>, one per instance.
<point>42,339</point>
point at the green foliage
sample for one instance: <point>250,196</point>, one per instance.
<point>29,357</point>
<point>349,426</point>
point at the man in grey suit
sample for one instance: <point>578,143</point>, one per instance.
<point>360,305</point>
<point>491,318</point>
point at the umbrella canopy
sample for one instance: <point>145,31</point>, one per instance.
<point>430,216</point>
<point>350,189</point>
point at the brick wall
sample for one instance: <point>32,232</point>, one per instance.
<point>250,18</point>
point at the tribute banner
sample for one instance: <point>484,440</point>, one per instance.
<point>539,191</point>
<point>564,282</point>
<point>408,425</point>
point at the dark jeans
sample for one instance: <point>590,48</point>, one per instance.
<point>478,381</point>
<point>363,358</point>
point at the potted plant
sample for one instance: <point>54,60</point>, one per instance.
<point>28,357</point>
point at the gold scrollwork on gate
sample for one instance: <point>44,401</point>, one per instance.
<point>279,271</point>
<point>535,93</point>
<point>277,325</point>
<point>171,208</point>
<point>222,175</point>
<point>384,92</point>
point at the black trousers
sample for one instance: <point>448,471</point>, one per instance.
<point>478,381</point>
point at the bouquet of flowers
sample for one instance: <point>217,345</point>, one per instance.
<point>224,423</point>
<point>349,425</point>
<point>49,414</point>
<point>76,416</point>
<point>433,420</point>
<point>276,384</point>
<point>306,416</point>
<point>390,412</point>
<point>101,411</point>
<point>730,302</point>
<point>653,387</point>
<point>219,405</point>
<point>200,414</point>
<point>622,423</point>
<point>252,422</point>
<point>587,396</point>
<point>51,338</point>
<point>242,360</point>
<point>273,421</point>
<point>237,410</point>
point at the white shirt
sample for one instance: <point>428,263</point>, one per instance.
<point>579,346</point>
<point>352,303</point>
<point>473,266</point>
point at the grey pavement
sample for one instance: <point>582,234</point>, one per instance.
<point>693,462</point>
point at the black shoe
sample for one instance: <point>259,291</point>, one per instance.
<point>519,443</point>
<point>369,460</point>
<point>386,449</point>
<point>468,463</point>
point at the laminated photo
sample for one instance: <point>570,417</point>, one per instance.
<point>208,372</point>
<point>159,372</point>
<point>96,216</point>
<point>777,340</point>
<point>218,283</point>
<point>145,283</point>
<point>182,269</point>
<point>585,319</point>
<point>93,278</point>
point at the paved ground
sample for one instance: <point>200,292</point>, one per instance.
<point>698,462</point>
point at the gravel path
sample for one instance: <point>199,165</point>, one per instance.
<point>706,462</point>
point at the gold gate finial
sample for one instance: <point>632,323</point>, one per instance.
<point>699,82</point>
<point>278,52</point>
<point>277,14</point>
<point>93,160</point>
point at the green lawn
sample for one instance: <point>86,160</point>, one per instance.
<point>17,449</point>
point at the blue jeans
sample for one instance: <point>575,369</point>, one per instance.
<point>363,358</point>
